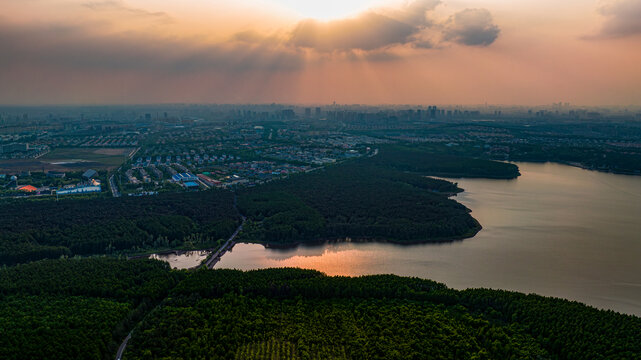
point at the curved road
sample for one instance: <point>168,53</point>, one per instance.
<point>122,347</point>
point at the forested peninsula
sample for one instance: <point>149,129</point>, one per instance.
<point>384,197</point>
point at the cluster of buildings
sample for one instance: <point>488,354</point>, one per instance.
<point>256,172</point>
<point>188,158</point>
<point>231,174</point>
<point>88,184</point>
<point>348,141</point>
<point>187,180</point>
<point>15,147</point>
<point>109,141</point>
<point>131,178</point>
<point>308,155</point>
<point>22,151</point>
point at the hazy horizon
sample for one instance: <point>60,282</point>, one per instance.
<point>471,106</point>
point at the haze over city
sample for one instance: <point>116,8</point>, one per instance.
<point>320,179</point>
<point>313,52</point>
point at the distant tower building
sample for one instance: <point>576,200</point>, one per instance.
<point>308,112</point>
<point>318,112</point>
<point>288,114</point>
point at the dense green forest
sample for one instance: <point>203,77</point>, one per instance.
<point>83,308</point>
<point>442,161</point>
<point>624,161</point>
<point>383,197</point>
<point>32,230</point>
<point>302,314</point>
<point>77,308</point>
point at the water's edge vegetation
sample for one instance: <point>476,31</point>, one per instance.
<point>387,197</point>
<point>383,197</point>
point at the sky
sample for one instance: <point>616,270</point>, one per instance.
<point>504,52</point>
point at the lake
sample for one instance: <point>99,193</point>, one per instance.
<point>183,259</point>
<point>556,231</point>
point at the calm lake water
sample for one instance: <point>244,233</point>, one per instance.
<point>557,231</point>
<point>184,259</point>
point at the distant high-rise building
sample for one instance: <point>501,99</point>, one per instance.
<point>308,112</point>
<point>148,117</point>
<point>318,112</point>
<point>288,114</point>
<point>432,110</point>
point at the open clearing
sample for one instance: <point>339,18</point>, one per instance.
<point>70,159</point>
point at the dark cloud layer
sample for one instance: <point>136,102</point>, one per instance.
<point>472,27</point>
<point>368,37</point>
<point>375,30</point>
<point>75,48</point>
<point>370,31</point>
<point>367,32</point>
<point>623,18</point>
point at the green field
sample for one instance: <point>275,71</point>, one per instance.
<point>70,159</point>
<point>104,157</point>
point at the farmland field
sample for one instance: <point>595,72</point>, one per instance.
<point>70,159</point>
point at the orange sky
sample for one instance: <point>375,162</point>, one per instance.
<point>350,51</point>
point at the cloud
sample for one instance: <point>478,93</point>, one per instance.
<point>472,27</point>
<point>372,30</point>
<point>371,56</point>
<point>367,32</point>
<point>623,18</point>
<point>116,6</point>
<point>76,48</point>
<point>93,45</point>
<point>423,44</point>
<point>408,26</point>
<point>414,12</point>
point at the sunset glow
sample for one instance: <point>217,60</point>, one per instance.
<point>352,51</point>
<point>328,9</point>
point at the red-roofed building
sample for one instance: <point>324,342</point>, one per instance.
<point>207,180</point>
<point>27,188</point>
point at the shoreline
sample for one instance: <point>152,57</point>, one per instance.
<point>577,165</point>
<point>363,239</point>
<point>319,242</point>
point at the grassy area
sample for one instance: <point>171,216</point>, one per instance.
<point>69,159</point>
<point>102,158</point>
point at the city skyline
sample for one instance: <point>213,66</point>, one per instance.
<point>365,52</point>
